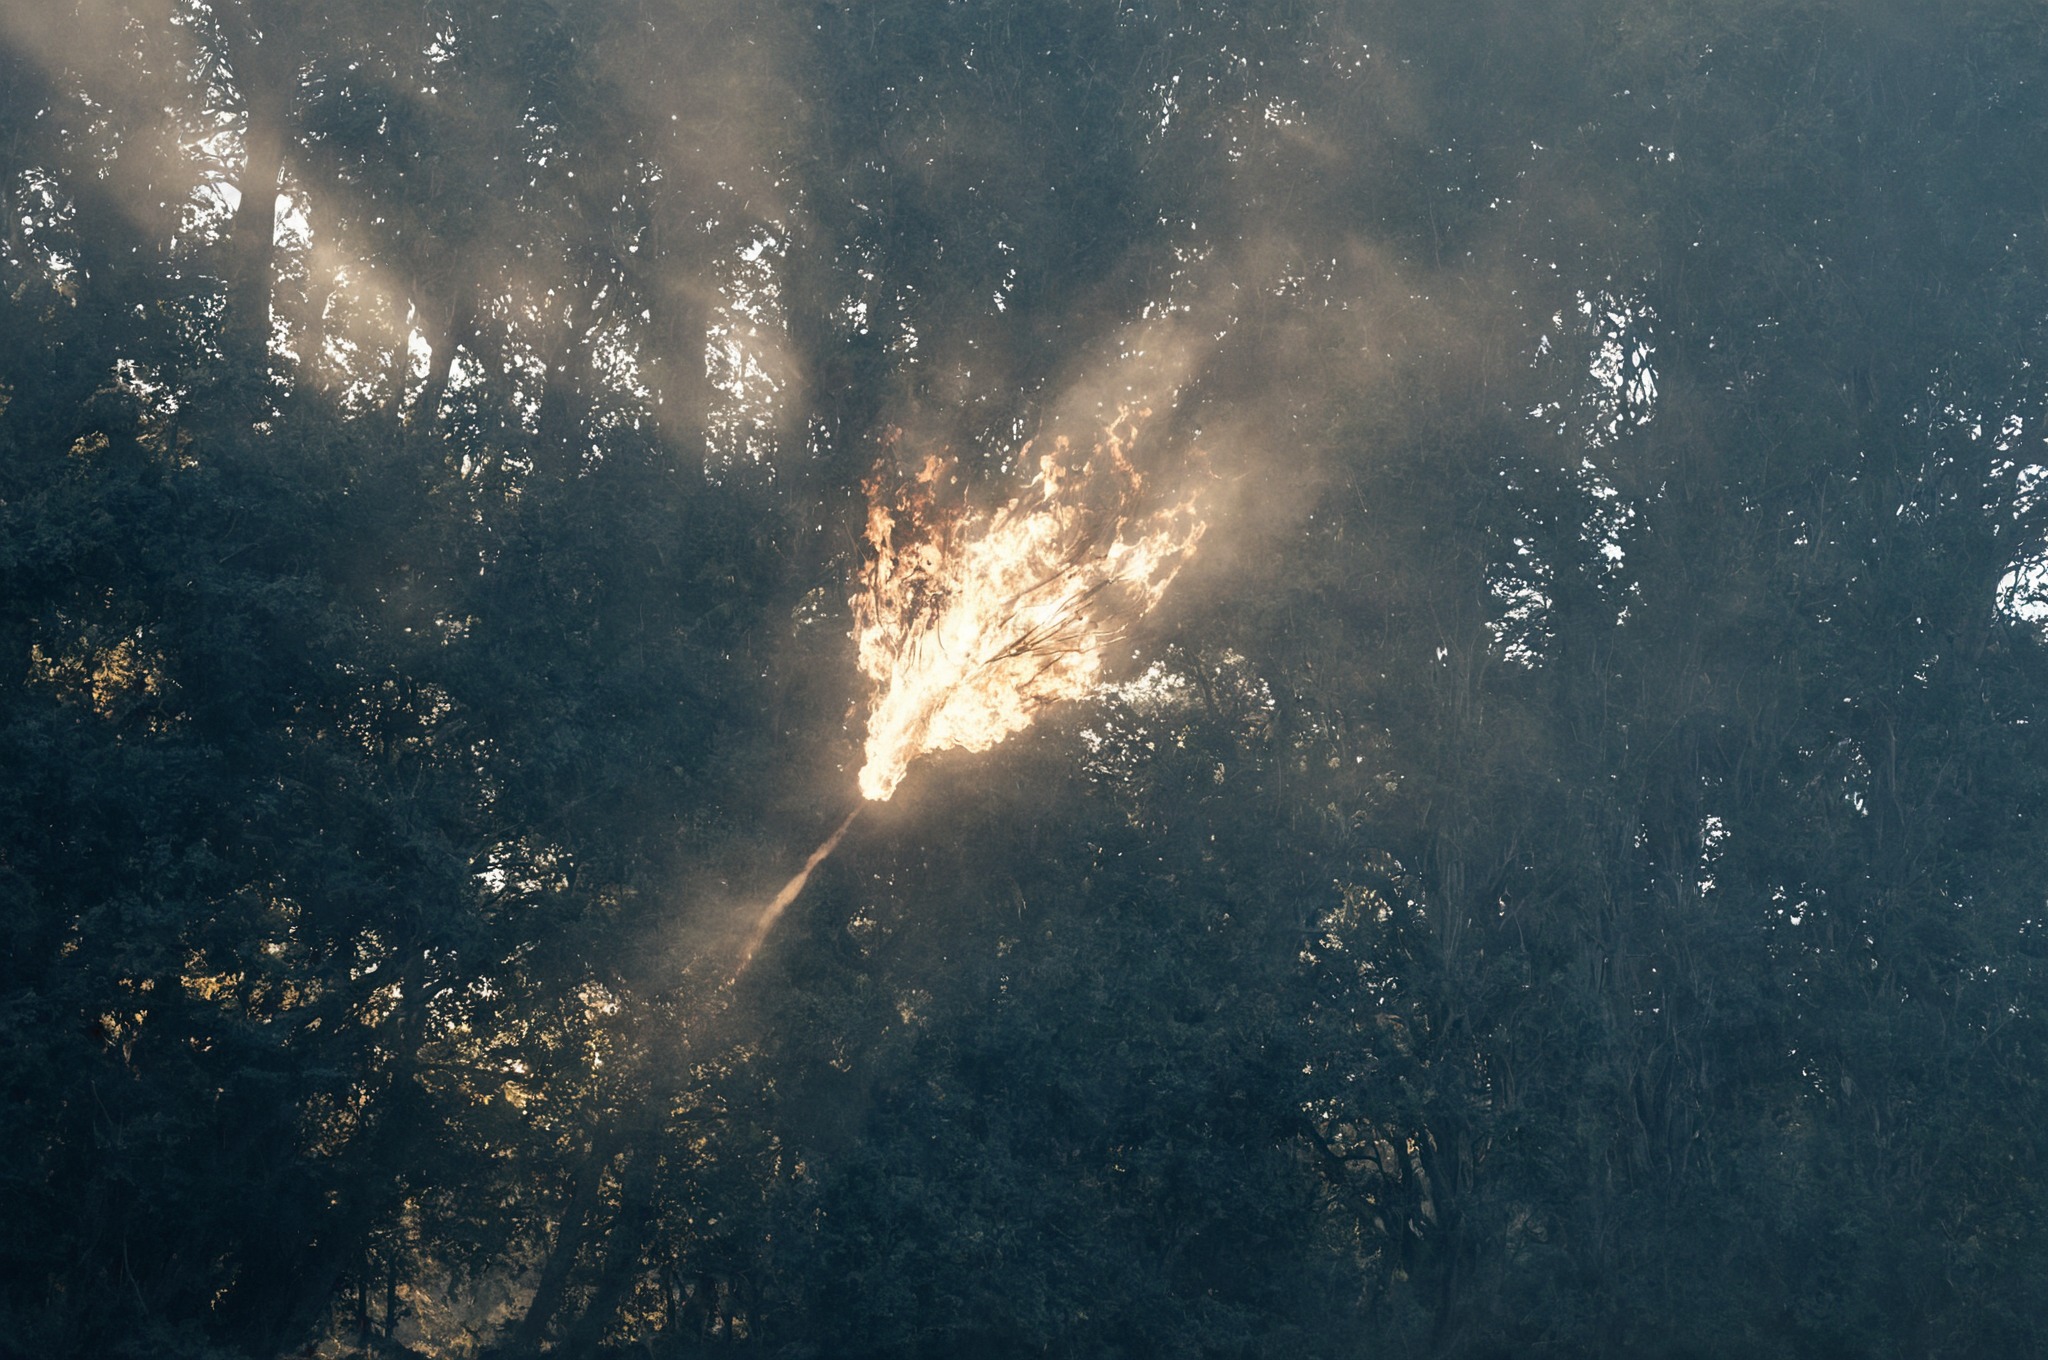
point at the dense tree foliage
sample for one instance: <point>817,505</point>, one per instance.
<point>1563,875</point>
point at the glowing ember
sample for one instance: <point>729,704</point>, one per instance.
<point>971,624</point>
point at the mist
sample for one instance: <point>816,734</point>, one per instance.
<point>579,785</point>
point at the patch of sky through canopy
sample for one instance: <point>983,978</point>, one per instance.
<point>746,360</point>
<point>1597,405</point>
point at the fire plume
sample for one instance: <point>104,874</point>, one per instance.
<point>971,623</point>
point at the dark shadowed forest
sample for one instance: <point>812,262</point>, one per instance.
<point>1562,872</point>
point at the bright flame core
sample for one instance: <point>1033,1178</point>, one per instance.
<point>971,623</point>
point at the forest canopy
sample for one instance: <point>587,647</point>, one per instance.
<point>1561,873</point>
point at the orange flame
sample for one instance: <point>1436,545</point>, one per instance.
<point>970,624</point>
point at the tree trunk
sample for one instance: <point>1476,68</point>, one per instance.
<point>264,73</point>
<point>570,1237</point>
<point>622,1252</point>
<point>448,325</point>
<point>568,390</point>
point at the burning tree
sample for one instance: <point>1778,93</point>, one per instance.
<point>972,624</point>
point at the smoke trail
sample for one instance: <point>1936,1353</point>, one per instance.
<point>771,913</point>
